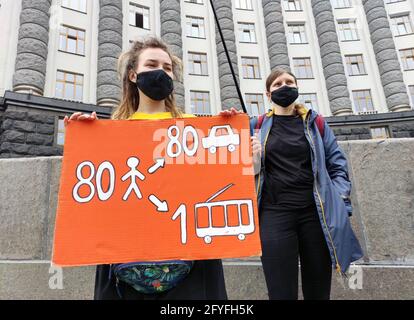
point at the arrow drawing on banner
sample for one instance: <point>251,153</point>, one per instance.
<point>159,163</point>
<point>162,206</point>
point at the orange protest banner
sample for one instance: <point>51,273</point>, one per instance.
<point>155,190</point>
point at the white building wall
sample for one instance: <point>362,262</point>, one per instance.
<point>59,60</point>
<point>9,26</point>
<point>87,65</point>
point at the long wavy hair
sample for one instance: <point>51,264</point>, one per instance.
<point>128,61</point>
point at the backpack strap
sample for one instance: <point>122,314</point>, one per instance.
<point>260,121</point>
<point>320,123</point>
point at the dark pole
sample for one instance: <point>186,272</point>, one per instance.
<point>228,58</point>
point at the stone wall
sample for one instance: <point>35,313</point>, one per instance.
<point>382,175</point>
<point>109,50</point>
<point>27,133</point>
<point>357,127</point>
<point>32,48</point>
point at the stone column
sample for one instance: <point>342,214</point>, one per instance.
<point>386,56</point>
<point>171,33</point>
<point>32,47</point>
<point>228,91</point>
<point>275,34</point>
<point>333,68</point>
<point>109,50</point>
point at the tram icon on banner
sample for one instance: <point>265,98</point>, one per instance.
<point>236,217</point>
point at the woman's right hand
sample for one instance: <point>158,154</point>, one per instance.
<point>80,116</point>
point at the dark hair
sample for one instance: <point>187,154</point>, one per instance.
<point>276,73</point>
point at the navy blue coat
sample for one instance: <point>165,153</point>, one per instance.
<point>332,187</point>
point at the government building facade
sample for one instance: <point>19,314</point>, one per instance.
<point>354,60</point>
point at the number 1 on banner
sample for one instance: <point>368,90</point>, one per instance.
<point>182,213</point>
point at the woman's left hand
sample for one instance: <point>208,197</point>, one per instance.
<point>257,147</point>
<point>231,112</point>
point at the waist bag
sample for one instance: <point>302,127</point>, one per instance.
<point>151,277</point>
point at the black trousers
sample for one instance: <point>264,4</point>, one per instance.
<point>205,282</point>
<point>287,235</point>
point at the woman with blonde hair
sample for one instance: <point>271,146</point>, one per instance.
<point>147,71</point>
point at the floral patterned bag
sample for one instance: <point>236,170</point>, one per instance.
<point>152,277</point>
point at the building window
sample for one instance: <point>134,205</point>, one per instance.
<point>72,40</point>
<point>197,63</point>
<point>255,104</point>
<point>292,5</point>
<point>78,5</point>
<point>347,30</point>
<point>411,92</point>
<point>195,27</point>
<point>309,100</point>
<point>393,1</point>
<point>355,65</point>
<point>401,25</point>
<point>407,58</point>
<point>303,68</point>
<point>380,133</point>
<point>69,86</point>
<point>296,33</point>
<point>244,4</point>
<point>200,102</point>
<point>339,4</point>
<point>60,136</point>
<point>247,32</point>
<point>251,68</point>
<point>195,1</point>
<point>139,16</point>
<point>363,101</point>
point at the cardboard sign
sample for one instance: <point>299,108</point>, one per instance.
<point>156,190</point>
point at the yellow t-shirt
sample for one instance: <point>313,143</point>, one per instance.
<point>158,115</point>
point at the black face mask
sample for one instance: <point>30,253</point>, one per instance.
<point>285,96</point>
<point>156,84</point>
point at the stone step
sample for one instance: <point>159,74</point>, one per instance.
<point>244,281</point>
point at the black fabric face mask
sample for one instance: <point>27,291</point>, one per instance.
<point>285,96</point>
<point>156,84</point>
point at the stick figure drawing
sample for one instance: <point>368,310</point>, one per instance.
<point>133,163</point>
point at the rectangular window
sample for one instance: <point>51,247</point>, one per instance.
<point>401,25</point>
<point>292,5</point>
<point>200,102</point>
<point>255,104</point>
<point>72,40</point>
<point>338,4</point>
<point>78,5</point>
<point>309,100</point>
<point>363,101</point>
<point>355,65</point>
<point>407,58</point>
<point>296,33</point>
<point>69,86</point>
<point>195,27</point>
<point>197,63</point>
<point>380,133</point>
<point>347,30</point>
<point>60,136</point>
<point>411,93</point>
<point>139,16</point>
<point>393,1</point>
<point>303,68</point>
<point>247,32</point>
<point>251,68</point>
<point>244,4</point>
<point>195,1</point>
